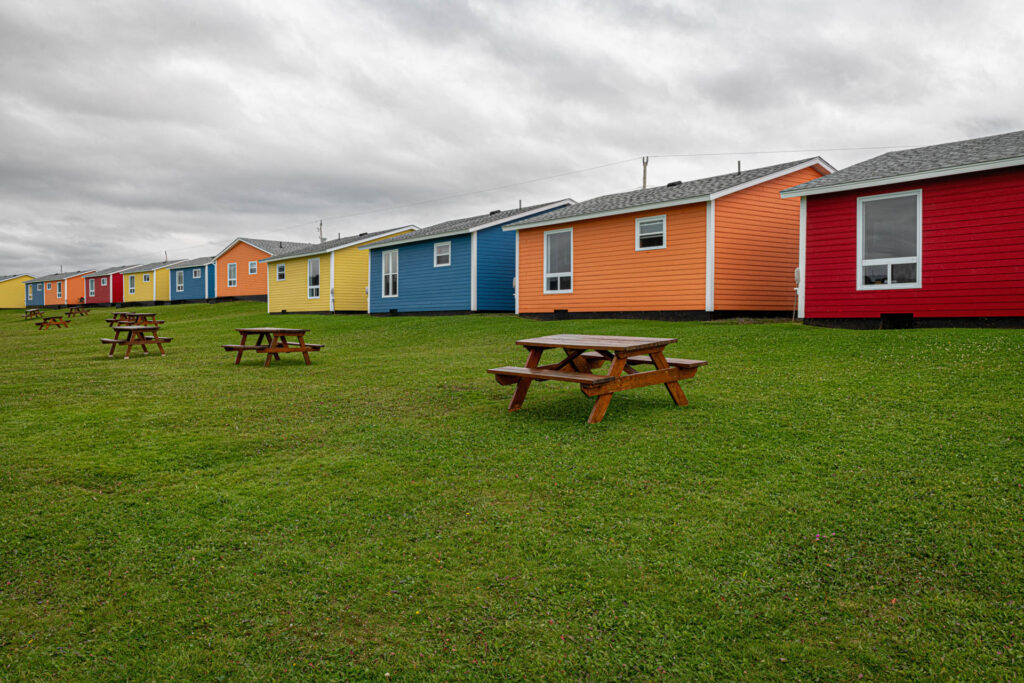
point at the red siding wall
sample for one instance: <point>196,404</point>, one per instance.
<point>972,244</point>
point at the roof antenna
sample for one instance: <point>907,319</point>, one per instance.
<point>520,203</point>
<point>737,167</point>
<point>165,256</point>
<point>645,160</point>
<point>320,231</point>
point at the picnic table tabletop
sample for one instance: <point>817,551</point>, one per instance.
<point>586,352</point>
<point>270,330</point>
<point>136,336</point>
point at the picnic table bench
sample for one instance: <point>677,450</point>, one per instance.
<point>137,335</point>
<point>585,353</point>
<point>52,321</point>
<point>32,313</point>
<point>272,341</point>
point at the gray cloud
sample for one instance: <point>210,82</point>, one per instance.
<point>132,127</point>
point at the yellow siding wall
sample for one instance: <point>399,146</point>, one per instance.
<point>163,284</point>
<point>12,292</point>
<point>143,290</point>
<point>351,271</point>
<point>291,294</point>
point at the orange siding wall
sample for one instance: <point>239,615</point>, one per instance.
<point>76,290</point>
<point>248,285</point>
<point>757,246</point>
<point>50,294</point>
<point>610,275</point>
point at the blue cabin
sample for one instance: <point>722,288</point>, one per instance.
<point>459,266</point>
<point>193,280</point>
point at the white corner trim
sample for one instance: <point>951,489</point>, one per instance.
<point>472,271</point>
<point>802,263</point>
<point>906,177</point>
<point>268,290</point>
<point>332,282</point>
<point>515,282</point>
<point>709,258</point>
<point>369,280</point>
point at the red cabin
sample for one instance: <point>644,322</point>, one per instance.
<point>926,236</point>
<point>105,286</point>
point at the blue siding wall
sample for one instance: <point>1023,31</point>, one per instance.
<point>211,278</point>
<point>32,297</point>
<point>495,268</point>
<point>421,286</point>
<point>195,287</point>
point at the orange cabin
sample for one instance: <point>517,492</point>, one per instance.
<point>61,289</point>
<point>726,244</point>
<point>239,271</point>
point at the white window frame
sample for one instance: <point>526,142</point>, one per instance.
<point>253,268</point>
<point>60,289</point>
<point>197,273</point>
<point>384,257</point>
<point>49,286</point>
<point>309,275</point>
<point>232,270</point>
<point>890,262</point>
<point>442,244</point>
<point>664,232</point>
<point>103,282</point>
<point>145,277</point>
<point>131,284</point>
<point>92,286</point>
<point>572,252</point>
<point>39,287</point>
<point>179,281</point>
<point>280,272</point>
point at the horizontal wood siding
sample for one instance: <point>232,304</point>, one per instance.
<point>76,290</point>
<point>292,293</point>
<point>195,287</point>
<point>421,286</point>
<point>12,292</point>
<point>495,270</point>
<point>34,296</point>
<point>143,290</point>
<point>972,260</point>
<point>350,276</point>
<point>211,284</point>
<point>610,275</point>
<point>757,246</point>
<point>248,285</point>
<point>102,292</point>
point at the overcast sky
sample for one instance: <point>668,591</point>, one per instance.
<point>130,128</point>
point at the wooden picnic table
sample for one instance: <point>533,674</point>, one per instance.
<point>77,309</point>
<point>272,341</point>
<point>52,321</point>
<point>127,318</point>
<point>585,352</point>
<point>32,313</point>
<point>136,335</point>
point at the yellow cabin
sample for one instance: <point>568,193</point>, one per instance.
<point>12,290</point>
<point>148,283</point>
<point>331,276</point>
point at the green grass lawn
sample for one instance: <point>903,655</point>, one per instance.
<point>831,504</point>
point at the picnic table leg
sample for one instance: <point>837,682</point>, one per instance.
<point>674,390</point>
<point>302,343</point>
<point>273,343</point>
<point>601,404</point>
<point>523,385</point>
<point>238,358</point>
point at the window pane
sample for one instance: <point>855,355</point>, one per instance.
<point>648,241</point>
<point>314,272</point>
<point>876,275</point>
<point>552,283</point>
<point>559,252</point>
<point>651,227</point>
<point>565,282</point>
<point>890,227</point>
<point>904,272</point>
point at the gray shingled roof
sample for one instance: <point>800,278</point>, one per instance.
<point>109,271</point>
<point>53,277</point>
<point>275,247</point>
<point>151,266</point>
<point>195,263</point>
<point>333,244</point>
<point>663,194</point>
<point>923,160</point>
<point>461,225</point>
<point>4,278</point>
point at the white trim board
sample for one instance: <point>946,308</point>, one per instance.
<point>500,222</point>
<point>816,161</point>
<point>802,262</point>
<point>905,178</point>
<point>472,271</point>
<point>709,257</point>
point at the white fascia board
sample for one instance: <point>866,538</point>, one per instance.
<point>614,212</point>
<point>390,233</point>
<point>816,161</point>
<point>905,178</point>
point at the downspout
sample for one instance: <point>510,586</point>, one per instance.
<point>332,282</point>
